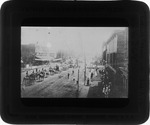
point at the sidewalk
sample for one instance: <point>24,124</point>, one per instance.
<point>97,78</point>
<point>93,90</point>
<point>83,91</point>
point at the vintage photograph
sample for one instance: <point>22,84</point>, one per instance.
<point>74,62</point>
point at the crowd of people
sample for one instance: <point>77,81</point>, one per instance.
<point>105,77</point>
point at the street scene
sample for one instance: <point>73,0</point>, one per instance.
<point>74,62</point>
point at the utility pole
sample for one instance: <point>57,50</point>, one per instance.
<point>77,94</point>
<point>78,81</point>
<point>84,69</point>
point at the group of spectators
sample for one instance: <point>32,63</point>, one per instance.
<point>112,82</point>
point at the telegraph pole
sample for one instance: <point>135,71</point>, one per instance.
<point>78,80</point>
<point>84,69</point>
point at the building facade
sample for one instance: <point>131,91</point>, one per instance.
<point>115,49</point>
<point>115,53</point>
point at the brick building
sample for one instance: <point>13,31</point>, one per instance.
<point>115,52</point>
<point>115,49</point>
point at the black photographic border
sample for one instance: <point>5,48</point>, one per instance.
<point>75,22</point>
<point>134,15</point>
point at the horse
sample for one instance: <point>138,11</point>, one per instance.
<point>36,75</point>
<point>28,80</point>
<point>47,73</point>
<point>41,76</point>
<point>51,70</point>
<point>32,78</point>
<point>24,82</point>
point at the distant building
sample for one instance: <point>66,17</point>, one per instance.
<point>43,53</point>
<point>36,54</point>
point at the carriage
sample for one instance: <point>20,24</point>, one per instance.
<point>28,80</point>
<point>32,78</point>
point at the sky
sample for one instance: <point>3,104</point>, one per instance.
<point>79,40</point>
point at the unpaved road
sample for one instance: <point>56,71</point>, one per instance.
<point>57,87</point>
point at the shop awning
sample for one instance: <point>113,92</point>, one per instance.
<point>41,59</point>
<point>57,60</point>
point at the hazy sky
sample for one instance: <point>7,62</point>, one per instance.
<point>76,39</point>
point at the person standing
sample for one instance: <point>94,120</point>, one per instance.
<point>95,73</point>
<point>72,72</point>
<point>27,74</point>
<point>92,76</point>
<point>68,75</point>
<point>88,81</point>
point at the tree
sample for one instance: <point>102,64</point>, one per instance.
<point>28,53</point>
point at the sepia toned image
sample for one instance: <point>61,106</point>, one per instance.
<point>74,62</point>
